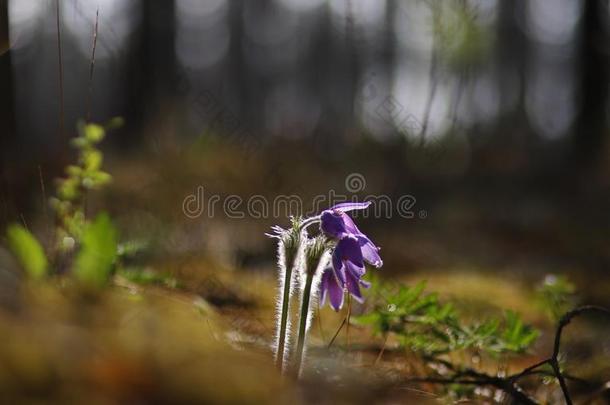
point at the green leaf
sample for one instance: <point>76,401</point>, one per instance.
<point>114,123</point>
<point>148,276</point>
<point>517,335</point>
<point>96,180</point>
<point>95,260</point>
<point>370,318</point>
<point>422,322</point>
<point>68,189</point>
<point>79,143</point>
<point>72,170</point>
<point>131,248</point>
<point>28,251</point>
<point>92,160</point>
<point>556,295</point>
<point>94,133</point>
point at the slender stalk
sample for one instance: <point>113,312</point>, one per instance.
<point>279,360</point>
<point>562,381</point>
<point>336,333</point>
<point>432,78</point>
<point>385,342</point>
<point>61,71</point>
<point>303,323</point>
<point>310,221</point>
<point>92,65</point>
<point>44,203</point>
<point>348,317</point>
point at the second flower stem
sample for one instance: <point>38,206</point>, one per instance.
<point>284,314</point>
<point>303,323</point>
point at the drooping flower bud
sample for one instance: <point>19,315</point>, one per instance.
<point>291,246</point>
<point>314,252</point>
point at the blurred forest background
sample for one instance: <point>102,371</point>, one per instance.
<point>492,114</point>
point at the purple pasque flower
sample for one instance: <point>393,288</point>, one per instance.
<point>353,249</point>
<point>329,285</point>
<point>336,224</point>
<point>346,272</point>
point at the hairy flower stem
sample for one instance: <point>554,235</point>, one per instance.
<point>310,221</point>
<point>303,323</point>
<point>279,361</point>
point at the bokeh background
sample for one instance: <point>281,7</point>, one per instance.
<point>492,115</point>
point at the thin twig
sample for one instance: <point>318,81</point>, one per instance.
<point>508,384</point>
<point>61,72</point>
<point>385,341</point>
<point>44,194</point>
<point>349,315</point>
<point>517,393</point>
<point>563,322</point>
<point>45,212</point>
<point>529,370</point>
<point>431,394</point>
<point>432,80</point>
<point>91,66</point>
<point>25,224</point>
<point>562,382</point>
<point>337,333</point>
<point>3,200</point>
<point>456,101</point>
<point>429,101</point>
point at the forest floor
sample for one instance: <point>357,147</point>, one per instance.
<point>191,318</point>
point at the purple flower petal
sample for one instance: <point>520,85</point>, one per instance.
<point>332,224</point>
<point>370,252</point>
<point>338,266</point>
<point>350,206</point>
<point>354,269</point>
<point>324,285</point>
<point>353,249</point>
<point>347,256</point>
<point>349,225</point>
<point>352,284</point>
<point>330,286</point>
<point>348,249</point>
<point>335,292</point>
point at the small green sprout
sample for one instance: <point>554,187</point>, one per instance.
<point>556,295</point>
<point>94,244</point>
<point>70,200</point>
<point>28,251</point>
<point>424,324</point>
<point>95,260</point>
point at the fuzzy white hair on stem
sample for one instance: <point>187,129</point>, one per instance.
<point>291,249</point>
<point>314,296</point>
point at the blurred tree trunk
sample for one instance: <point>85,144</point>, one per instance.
<point>6,82</point>
<point>319,69</point>
<point>354,47</point>
<point>511,56</point>
<point>591,121</point>
<point>7,117</point>
<point>341,71</point>
<point>397,149</point>
<point>152,72</point>
<point>238,75</point>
